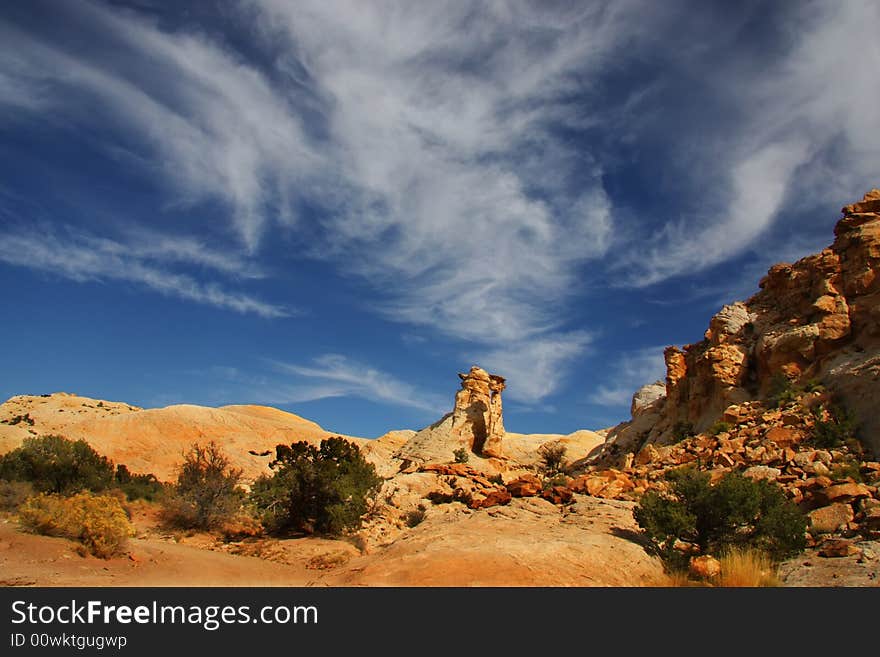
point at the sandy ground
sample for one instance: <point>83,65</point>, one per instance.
<point>528,543</point>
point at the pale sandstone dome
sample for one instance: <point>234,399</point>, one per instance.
<point>526,543</point>
<point>155,440</point>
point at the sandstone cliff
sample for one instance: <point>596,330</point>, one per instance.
<point>774,390</point>
<point>817,320</point>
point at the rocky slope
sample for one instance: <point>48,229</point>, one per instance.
<point>779,388</point>
<point>815,320</point>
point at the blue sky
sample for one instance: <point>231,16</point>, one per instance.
<point>333,207</point>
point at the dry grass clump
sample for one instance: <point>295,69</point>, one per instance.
<point>13,494</point>
<point>740,567</point>
<point>747,568</point>
<point>99,522</point>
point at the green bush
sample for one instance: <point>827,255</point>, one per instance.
<point>138,486</point>
<point>206,493</point>
<point>98,521</point>
<point>313,489</point>
<point>552,458</point>
<point>839,429</point>
<point>54,464</point>
<point>682,430</point>
<point>416,516</point>
<point>781,391</point>
<point>814,385</point>
<point>18,419</point>
<point>720,427</point>
<point>460,455</point>
<point>556,480</point>
<point>735,512</point>
<point>847,470</point>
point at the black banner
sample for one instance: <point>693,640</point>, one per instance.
<point>225,621</point>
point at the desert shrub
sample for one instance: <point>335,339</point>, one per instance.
<point>558,479</point>
<point>460,455</point>
<point>781,391</point>
<point>313,489</point>
<point>847,470</point>
<point>552,458</point>
<point>138,486</point>
<point>839,429</point>
<point>416,516</point>
<point>745,567</point>
<point>813,385</point>
<point>719,427</point>
<point>98,521</point>
<point>54,464</point>
<point>206,493</point>
<point>682,430</point>
<point>735,512</point>
<point>18,419</point>
<point>14,493</point>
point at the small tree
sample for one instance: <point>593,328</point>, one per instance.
<point>316,489</point>
<point>206,493</point>
<point>552,457</point>
<point>736,511</point>
<point>54,464</point>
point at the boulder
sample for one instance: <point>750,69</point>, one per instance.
<point>871,519</point>
<point>527,485</point>
<point>758,472</point>
<point>838,547</point>
<point>704,567</point>
<point>557,494</point>
<point>843,493</point>
<point>829,519</point>
<point>494,497</point>
<point>783,436</point>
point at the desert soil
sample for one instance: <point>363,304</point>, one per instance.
<point>527,543</point>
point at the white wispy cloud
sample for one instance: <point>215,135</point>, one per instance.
<point>214,126</point>
<point>629,373</point>
<point>429,144</point>
<point>808,130</point>
<point>536,368</point>
<point>336,375</point>
<point>426,139</point>
<point>88,258</point>
<point>461,204</point>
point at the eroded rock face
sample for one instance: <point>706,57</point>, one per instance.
<point>477,416</point>
<point>818,318</point>
<point>475,424</point>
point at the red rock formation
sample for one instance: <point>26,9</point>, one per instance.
<point>818,318</point>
